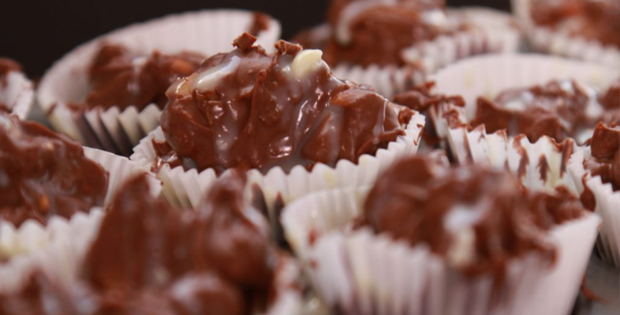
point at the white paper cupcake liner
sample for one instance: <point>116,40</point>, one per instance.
<point>607,206</point>
<point>207,32</point>
<point>54,247</point>
<point>187,188</point>
<point>363,273</point>
<point>487,76</point>
<point>58,251</point>
<point>386,81</point>
<point>492,32</point>
<point>17,94</point>
<point>557,42</point>
<point>518,155</point>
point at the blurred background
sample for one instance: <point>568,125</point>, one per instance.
<point>36,33</point>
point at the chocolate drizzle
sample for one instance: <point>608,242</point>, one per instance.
<point>377,32</point>
<point>248,108</point>
<point>477,218</point>
<point>43,174</point>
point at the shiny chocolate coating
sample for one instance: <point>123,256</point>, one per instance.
<point>380,31</point>
<point>150,258</point>
<point>556,109</point>
<point>248,108</point>
<point>476,217</point>
<point>43,174</point>
<point>122,78</point>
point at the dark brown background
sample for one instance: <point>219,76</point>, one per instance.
<point>38,32</point>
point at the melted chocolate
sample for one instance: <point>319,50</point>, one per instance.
<point>605,160</point>
<point>248,108</point>
<point>43,174</point>
<point>422,201</point>
<point>123,78</point>
<point>593,19</point>
<point>217,259</point>
<point>556,109</point>
<point>376,32</point>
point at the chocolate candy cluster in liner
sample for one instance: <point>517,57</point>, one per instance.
<point>150,258</point>
<point>43,174</point>
<point>121,77</point>
<point>592,19</point>
<point>369,32</point>
<point>476,217</point>
<point>558,109</point>
<point>6,66</point>
<point>605,160</point>
<point>247,108</point>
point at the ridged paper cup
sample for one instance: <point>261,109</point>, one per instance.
<point>186,188</point>
<point>558,42</point>
<point>607,206</point>
<point>488,76</point>
<point>17,93</point>
<point>541,165</point>
<point>492,32</point>
<point>207,32</point>
<point>359,272</point>
<point>55,247</point>
<point>385,80</point>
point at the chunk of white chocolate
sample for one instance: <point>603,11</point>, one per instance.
<point>307,61</point>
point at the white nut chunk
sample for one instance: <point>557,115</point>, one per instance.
<point>307,61</point>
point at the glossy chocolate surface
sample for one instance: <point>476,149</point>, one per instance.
<point>122,78</point>
<point>248,108</point>
<point>557,109</point>
<point>476,217</point>
<point>150,258</point>
<point>43,174</point>
<point>375,32</point>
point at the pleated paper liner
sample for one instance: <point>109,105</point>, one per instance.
<point>492,32</point>
<point>488,76</point>
<point>558,42</point>
<point>362,273</point>
<point>186,188</point>
<point>207,32</point>
<point>17,93</point>
<point>34,245</point>
<point>542,165</point>
<point>59,249</point>
<point>607,206</point>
